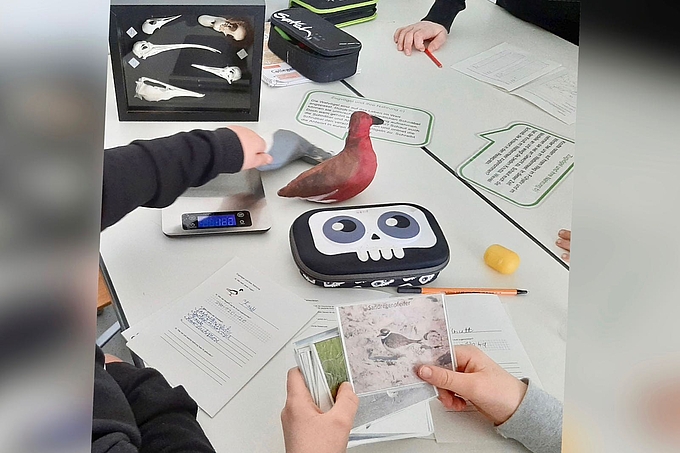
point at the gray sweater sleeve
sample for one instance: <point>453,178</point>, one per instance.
<point>537,422</point>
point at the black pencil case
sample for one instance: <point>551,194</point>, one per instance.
<point>316,48</point>
<point>394,244</point>
<point>340,12</point>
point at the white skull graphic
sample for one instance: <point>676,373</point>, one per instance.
<point>374,233</point>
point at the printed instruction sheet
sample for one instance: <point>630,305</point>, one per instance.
<point>544,83</point>
<point>521,163</point>
<point>555,93</point>
<point>330,112</point>
<point>506,66</point>
<point>216,338</point>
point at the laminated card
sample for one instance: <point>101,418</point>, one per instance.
<point>386,340</point>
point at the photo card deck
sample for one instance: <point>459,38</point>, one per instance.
<point>322,362</point>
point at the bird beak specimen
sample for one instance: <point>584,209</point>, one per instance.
<point>377,121</point>
<point>228,73</point>
<point>144,49</point>
<point>151,25</point>
<point>152,90</point>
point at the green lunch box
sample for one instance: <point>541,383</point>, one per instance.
<point>340,12</point>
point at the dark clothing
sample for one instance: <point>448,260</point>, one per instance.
<point>560,17</point>
<point>136,410</point>
<point>153,173</point>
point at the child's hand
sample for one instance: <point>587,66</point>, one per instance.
<point>254,148</point>
<point>415,35</point>
<point>308,430</point>
<point>494,392</point>
<point>564,242</point>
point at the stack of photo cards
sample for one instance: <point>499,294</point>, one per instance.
<point>377,347</point>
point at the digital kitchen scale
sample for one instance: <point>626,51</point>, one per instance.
<point>230,203</point>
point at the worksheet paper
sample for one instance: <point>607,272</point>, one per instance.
<point>506,66</point>
<point>555,93</point>
<point>216,338</point>
<point>480,320</point>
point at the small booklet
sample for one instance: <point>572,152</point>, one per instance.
<point>275,71</point>
<point>385,341</point>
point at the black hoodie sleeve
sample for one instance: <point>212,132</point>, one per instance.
<point>444,11</point>
<point>166,416</point>
<point>153,173</point>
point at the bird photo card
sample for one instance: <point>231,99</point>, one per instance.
<point>386,340</point>
<point>332,361</point>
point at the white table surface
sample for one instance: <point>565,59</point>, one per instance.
<point>149,269</point>
<point>462,106</point>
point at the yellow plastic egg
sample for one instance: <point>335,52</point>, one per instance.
<point>501,259</point>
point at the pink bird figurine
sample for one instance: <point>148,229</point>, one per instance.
<point>342,176</point>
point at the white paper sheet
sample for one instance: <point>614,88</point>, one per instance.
<point>480,320</point>
<point>506,66</point>
<point>555,93</point>
<point>216,338</point>
<point>416,421</point>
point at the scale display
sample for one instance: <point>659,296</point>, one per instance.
<point>229,203</point>
<point>211,220</point>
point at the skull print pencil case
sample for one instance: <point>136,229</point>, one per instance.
<point>394,244</point>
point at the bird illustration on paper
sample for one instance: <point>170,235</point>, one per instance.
<point>395,342</point>
<point>345,175</point>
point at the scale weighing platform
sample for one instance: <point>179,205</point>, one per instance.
<point>230,203</point>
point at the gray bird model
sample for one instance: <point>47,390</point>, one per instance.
<point>393,342</point>
<point>289,146</point>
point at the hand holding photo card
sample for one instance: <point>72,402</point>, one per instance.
<point>386,340</point>
<point>321,360</point>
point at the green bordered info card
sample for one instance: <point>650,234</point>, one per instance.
<point>330,112</point>
<point>521,163</point>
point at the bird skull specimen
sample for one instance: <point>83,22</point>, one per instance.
<point>145,49</point>
<point>152,90</point>
<point>151,25</point>
<point>228,73</point>
<point>230,27</point>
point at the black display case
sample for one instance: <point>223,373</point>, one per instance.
<point>187,60</point>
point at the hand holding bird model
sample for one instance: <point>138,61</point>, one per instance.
<point>345,175</point>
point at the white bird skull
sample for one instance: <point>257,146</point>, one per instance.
<point>153,90</point>
<point>232,74</point>
<point>145,49</point>
<point>230,27</point>
<point>151,25</point>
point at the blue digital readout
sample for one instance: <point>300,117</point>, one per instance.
<point>216,221</point>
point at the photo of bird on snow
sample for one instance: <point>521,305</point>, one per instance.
<point>344,175</point>
<point>386,340</point>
